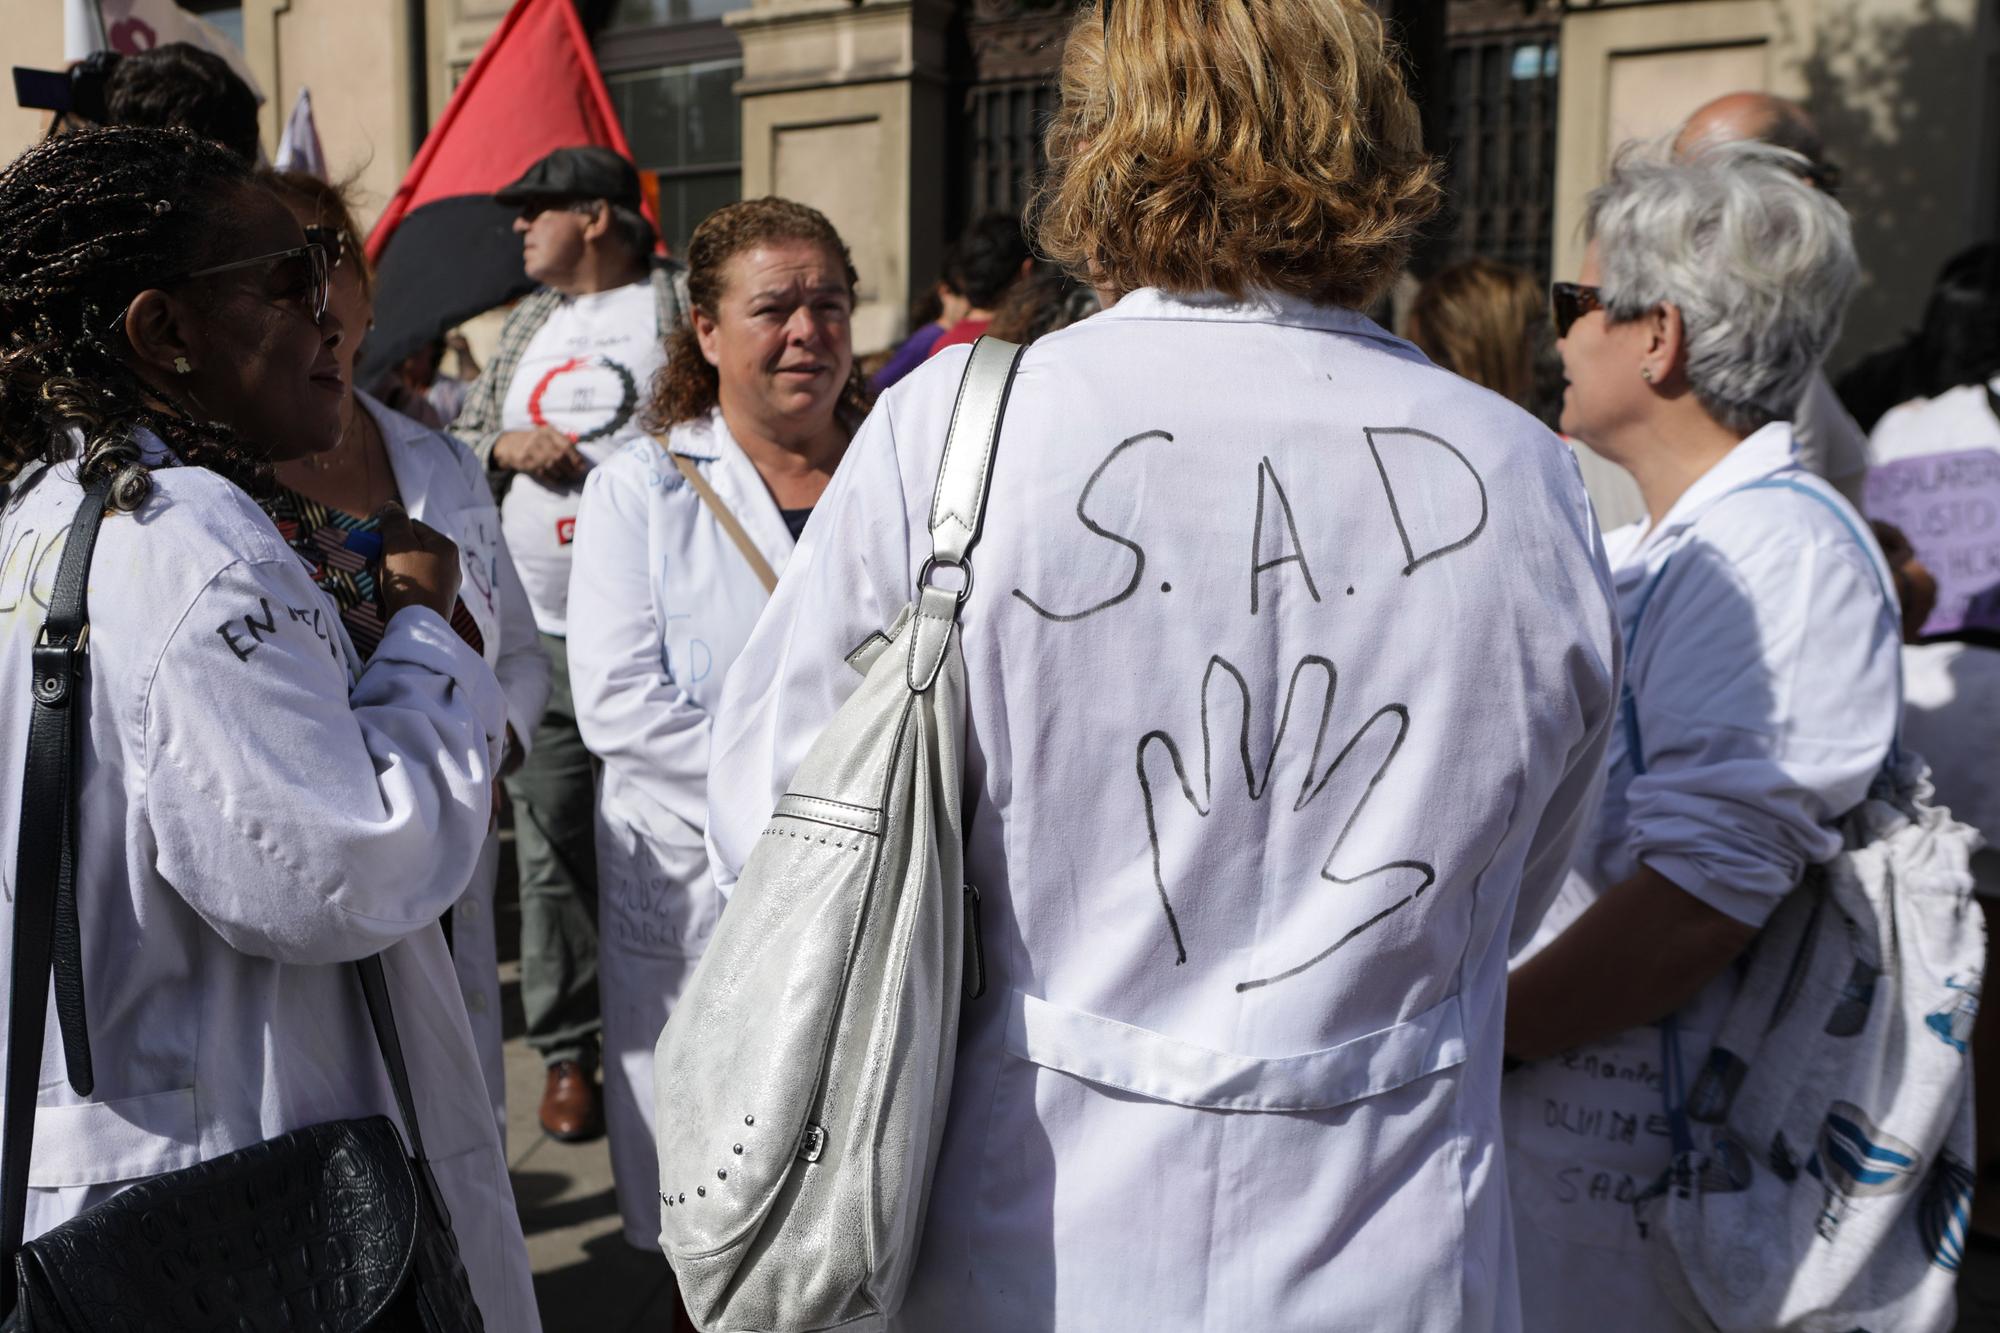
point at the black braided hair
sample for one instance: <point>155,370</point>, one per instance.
<point>87,222</point>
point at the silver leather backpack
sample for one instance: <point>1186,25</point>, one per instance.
<point>802,1081</point>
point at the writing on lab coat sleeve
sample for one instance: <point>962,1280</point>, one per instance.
<point>848,578</point>
<point>304,821</point>
<point>1764,681</point>
<point>633,716</point>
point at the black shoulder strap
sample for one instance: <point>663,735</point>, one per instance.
<point>45,925</point>
<point>46,935</point>
<point>375,990</point>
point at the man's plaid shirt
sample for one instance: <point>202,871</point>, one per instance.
<point>478,423</point>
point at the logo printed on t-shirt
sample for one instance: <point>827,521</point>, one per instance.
<point>582,396</point>
<point>565,530</point>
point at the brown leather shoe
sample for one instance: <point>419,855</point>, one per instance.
<point>570,1109</point>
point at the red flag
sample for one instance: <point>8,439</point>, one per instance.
<point>534,88</point>
<point>444,250</point>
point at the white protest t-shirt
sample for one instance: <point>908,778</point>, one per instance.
<point>587,372</point>
<point>1961,418</point>
<point>1951,689</point>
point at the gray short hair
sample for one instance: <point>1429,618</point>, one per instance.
<point>1759,263</point>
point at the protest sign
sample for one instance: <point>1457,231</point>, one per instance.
<point>1948,505</point>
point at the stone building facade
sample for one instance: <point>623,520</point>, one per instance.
<point>902,119</point>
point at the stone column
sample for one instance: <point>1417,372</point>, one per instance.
<point>843,109</point>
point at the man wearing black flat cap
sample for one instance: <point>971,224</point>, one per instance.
<point>564,390</point>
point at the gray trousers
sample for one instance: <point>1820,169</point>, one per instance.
<point>555,803</point>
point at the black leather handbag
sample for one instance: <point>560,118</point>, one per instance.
<point>334,1227</point>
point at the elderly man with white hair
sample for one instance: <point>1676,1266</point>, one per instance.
<point>1761,692</point>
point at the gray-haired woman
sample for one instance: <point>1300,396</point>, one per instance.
<point>1761,673</point>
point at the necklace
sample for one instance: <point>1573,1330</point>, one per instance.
<point>361,431</point>
<point>337,455</point>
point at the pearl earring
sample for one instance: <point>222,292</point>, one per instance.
<point>181,366</point>
<point>1646,374</point>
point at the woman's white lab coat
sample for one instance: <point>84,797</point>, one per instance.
<point>442,482</point>
<point>259,808</point>
<point>1763,679</point>
<point>661,602</point>
<point>1238,1061</point>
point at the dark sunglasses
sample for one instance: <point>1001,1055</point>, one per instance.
<point>1571,301</point>
<point>310,282</point>
<point>531,209</point>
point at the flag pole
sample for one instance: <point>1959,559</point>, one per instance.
<point>83,29</point>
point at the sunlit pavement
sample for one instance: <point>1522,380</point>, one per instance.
<point>587,1279</point>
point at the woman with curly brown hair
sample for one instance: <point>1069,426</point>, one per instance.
<point>1238,1060</point>
<point>677,542</point>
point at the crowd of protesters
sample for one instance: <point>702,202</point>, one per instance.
<point>1290,1055</point>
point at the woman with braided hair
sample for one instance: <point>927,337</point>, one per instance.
<point>754,406</point>
<point>258,805</point>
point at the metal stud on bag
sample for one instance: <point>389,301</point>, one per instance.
<point>812,1144</point>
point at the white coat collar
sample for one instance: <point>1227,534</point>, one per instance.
<point>701,438</point>
<point>1762,453</point>
<point>413,456</point>
<point>735,478</point>
<point>1257,307</point>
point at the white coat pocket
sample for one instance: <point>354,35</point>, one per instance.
<point>656,898</point>
<point>1162,1068</point>
<point>1187,1131</point>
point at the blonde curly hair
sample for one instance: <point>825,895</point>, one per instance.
<point>1230,145</point>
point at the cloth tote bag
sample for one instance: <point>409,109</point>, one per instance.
<point>1823,1160</point>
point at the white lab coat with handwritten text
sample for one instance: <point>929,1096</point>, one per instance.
<point>443,483</point>
<point>1763,678</point>
<point>1290,661</point>
<point>259,808</point>
<point>660,604</point>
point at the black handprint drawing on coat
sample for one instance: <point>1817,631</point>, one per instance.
<point>1257,780</point>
